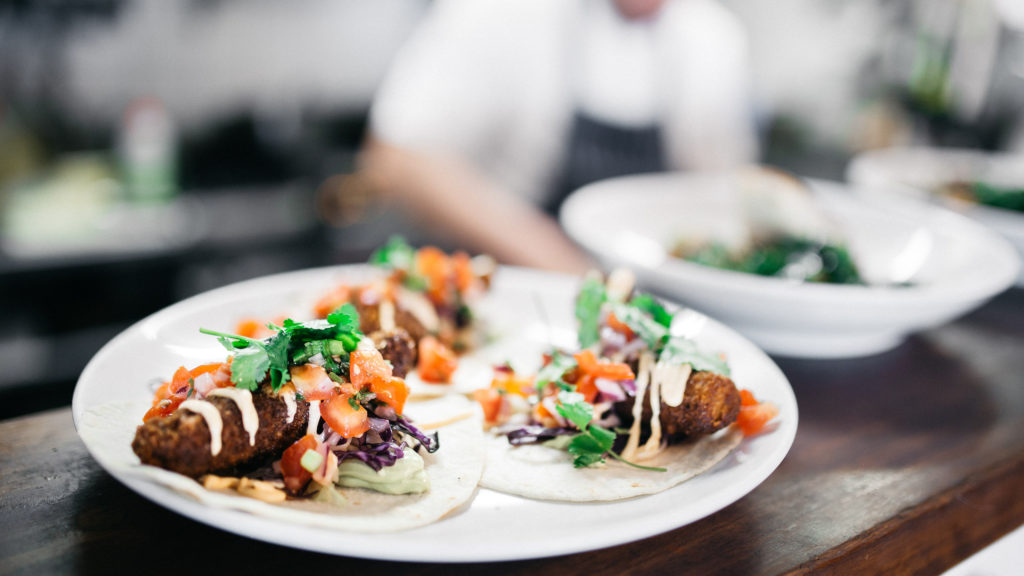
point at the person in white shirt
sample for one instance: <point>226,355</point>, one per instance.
<point>495,110</point>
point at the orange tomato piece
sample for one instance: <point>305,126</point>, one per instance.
<point>490,400</point>
<point>621,327</point>
<point>585,386</point>
<point>295,476</point>
<point>436,362</point>
<point>331,301</point>
<point>312,382</point>
<point>747,398</point>
<point>393,392</point>
<point>589,364</point>
<point>367,366</point>
<point>345,416</point>
<point>465,277</point>
<point>180,382</point>
<point>752,419</point>
<point>435,266</point>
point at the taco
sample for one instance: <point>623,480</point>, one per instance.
<point>640,409</point>
<point>309,424</point>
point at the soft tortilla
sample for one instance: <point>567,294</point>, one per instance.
<point>454,472</point>
<point>543,473</point>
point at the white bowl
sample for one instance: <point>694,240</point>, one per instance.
<point>953,264</point>
<point>918,172</point>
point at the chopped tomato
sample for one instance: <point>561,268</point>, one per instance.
<point>747,398</point>
<point>585,385</point>
<point>589,364</point>
<point>465,278</point>
<point>436,361</point>
<point>331,301</point>
<point>392,392</point>
<point>164,407</point>
<point>621,327</point>
<point>345,416</point>
<point>435,266</point>
<point>180,382</point>
<point>509,383</point>
<point>752,419</point>
<point>312,382</point>
<point>295,476</point>
<point>367,366</point>
<point>490,400</point>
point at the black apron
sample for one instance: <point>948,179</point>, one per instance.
<point>599,150</point>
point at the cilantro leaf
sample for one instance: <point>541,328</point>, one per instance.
<point>345,318</point>
<point>249,369</point>
<point>649,304</point>
<point>651,331</point>
<point>396,254</point>
<point>685,351</point>
<point>588,311</point>
<point>553,371</point>
<point>585,451</point>
<point>573,408</point>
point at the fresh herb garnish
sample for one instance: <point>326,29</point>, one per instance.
<point>590,445</point>
<point>396,254</point>
<point>553,372</point>
<point>293,343</point>
<point>588,311</point>
<point>649,304</point>
<point>593,442</point>
<point>683,351</point>
<point>651,331</point>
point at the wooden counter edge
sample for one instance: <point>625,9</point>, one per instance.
<point>938,533</point>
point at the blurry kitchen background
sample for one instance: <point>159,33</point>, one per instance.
<point>151,150</point>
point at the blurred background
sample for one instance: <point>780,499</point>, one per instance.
<point>152,150</point>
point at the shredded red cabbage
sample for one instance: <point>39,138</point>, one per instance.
<point>536,434</point>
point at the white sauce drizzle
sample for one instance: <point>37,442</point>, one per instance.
<point>653,444</point>
<point>314,417</point>
<point>386,314</point>
<point>289,401</point>
<point>209,413</point>
<point>242,399</point>
<point>672,380</point>
<point>643,376</point>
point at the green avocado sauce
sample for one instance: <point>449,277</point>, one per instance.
<point>406,476</point>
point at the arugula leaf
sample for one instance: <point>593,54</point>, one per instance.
<point>396,254</point>
<point>684,351</point>
<point>651,331</point>
<point>649,304</point>
<point>588,311</point>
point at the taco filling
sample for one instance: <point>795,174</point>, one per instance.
<point>639,409</point>
<point>313,406</point>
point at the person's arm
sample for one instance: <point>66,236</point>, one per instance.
<point>448,194</point>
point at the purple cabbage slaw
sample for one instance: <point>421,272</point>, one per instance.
<point>379,447</point>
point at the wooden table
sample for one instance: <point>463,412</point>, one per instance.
<point>905,462</point>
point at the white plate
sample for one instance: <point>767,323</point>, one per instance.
<point>954,264</point>
<point>526,310</point>
<point>917,172</point>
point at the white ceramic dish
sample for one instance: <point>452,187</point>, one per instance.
<point>526,311</point>
<point>954,264</point>
<point>918,172</point>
